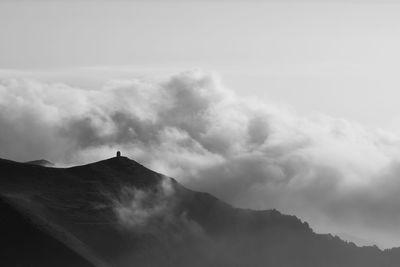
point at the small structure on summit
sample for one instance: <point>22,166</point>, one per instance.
<point>118,154</point>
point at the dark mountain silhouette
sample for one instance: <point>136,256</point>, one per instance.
<point>23,244</point>
<point>118,213</point>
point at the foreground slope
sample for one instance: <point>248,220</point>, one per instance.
<point>25,245</point>
<point>118,213</point>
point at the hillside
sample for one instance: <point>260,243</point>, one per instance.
<point>118,213</point>
<point>24,244</point>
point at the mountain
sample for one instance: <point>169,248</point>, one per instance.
<point>118,213</point>
<point>24,244</point>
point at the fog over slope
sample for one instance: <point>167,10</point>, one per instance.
<point>336,174</point>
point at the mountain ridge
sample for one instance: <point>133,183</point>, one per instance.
<point>151,219</point>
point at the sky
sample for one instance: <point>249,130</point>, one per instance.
<point>266,104</point>
<point>285,51</point>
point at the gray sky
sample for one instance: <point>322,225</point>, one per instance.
<point>295,105</point>
<point>313,55</point>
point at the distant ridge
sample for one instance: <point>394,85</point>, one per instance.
<point>41,162</point>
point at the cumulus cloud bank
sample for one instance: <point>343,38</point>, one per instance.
<point>336,174</point>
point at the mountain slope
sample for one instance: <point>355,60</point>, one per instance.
<point>23,244</point>
<point>118,213</point>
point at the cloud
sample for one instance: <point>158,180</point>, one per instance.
<point>336,174</point>
<point>155,212</point>
<point>136,208</point>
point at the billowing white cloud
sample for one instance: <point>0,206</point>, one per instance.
<point>336,174</point>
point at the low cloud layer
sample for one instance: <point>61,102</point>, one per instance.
<point>336,174</point>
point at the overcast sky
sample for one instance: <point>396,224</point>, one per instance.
<point>290,105</point>
<point>314,55</point>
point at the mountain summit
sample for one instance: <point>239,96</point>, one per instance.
<point>118,213</point>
